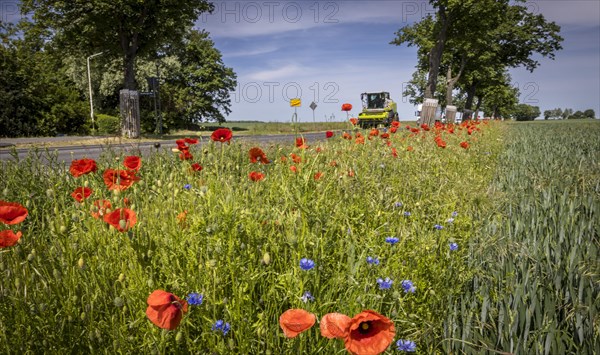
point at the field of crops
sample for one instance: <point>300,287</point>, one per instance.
<point>479,238</point>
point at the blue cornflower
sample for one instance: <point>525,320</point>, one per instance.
<point>454,214</point>
<point>372,261</point>
<point>406,345</point>
<point>450,220</point>
<point>407,214</point>
<point>438,227</point>
<point>453,246</point>
<point>187,186</point>
<point>222,326</point>
<point>392,240</point>
<point>307,296</point>
<point>306,264</point>
<point>398,204</point>
<point>195,299</point>
<point>384,284</point>
<point>408,286</point>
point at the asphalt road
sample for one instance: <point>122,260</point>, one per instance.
<point>68,153</point>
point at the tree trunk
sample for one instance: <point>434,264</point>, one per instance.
<point>435,54</point>
<point>478,105</point>
<point>129,72</point>
<point>450,81</point>
<point>470,95</point>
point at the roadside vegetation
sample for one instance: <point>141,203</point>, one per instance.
<point>477,238</point>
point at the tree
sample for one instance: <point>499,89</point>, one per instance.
<point>36,97</point>
<point>553,114</point>
<point>507,37</point>
<point>524,112</point>
<point>123,28</point>
<point>589,113</point>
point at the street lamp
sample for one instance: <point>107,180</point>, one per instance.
<point>90,86</point>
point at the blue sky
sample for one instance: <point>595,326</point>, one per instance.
<point>331,51</point>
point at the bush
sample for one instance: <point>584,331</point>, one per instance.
<point>107,124</point>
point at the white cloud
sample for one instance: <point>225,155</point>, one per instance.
<point>279,73</point>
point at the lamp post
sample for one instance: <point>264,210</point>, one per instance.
<point>90,86</point>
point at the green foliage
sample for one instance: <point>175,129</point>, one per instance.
<point>108,124</point>
<point>36,96</point>
<point>524,112</point>
<point>553,114</point>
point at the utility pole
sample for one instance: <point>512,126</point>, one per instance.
<point>90,86</point>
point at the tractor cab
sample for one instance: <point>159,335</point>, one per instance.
<point>378,108</point>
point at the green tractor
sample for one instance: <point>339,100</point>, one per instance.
<point>378,108</point>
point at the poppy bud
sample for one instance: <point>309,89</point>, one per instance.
<point>266,259</point>
<point>121,277</point>
<point>123,224</point>
<point>55,209</point>
<point>86,183</point>
<point>63,229</point>
<point>31,255</point>
<point>158,183</point>
<point>116,192</point>
<point>179,337</point>
<point>170,185</point>
<point>81,263</point>
<point>82,316</point>
<point>17,282</point>
<point>5,192</point>
<point>28,203</point>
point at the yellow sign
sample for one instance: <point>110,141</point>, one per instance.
<point>295,102</point>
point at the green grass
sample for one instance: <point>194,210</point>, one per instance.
<point>527,196</point>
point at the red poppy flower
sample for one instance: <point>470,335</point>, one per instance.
<point>464,144</point>
<point>346,107</point>
<point>99,208</point>
<point>334,325</point>
<point>301,143</point>
<point>425,127</point>
<point>385,135</point>
<point>256,176</point>
<point>8,238</point>
<point>222,135</point>
<point>294,169</point>
<point>393,129</point>
<point>81,193</point>
<point>441,143</point>
<point>369,333</point>
<point>121,218</point>
<point>181,144</point>
<point>82,167</point>
<point>318,175</point>
<point>191,140</point>
<point>359,140</point>
<point>185,154</point>
<point>409,148</point>
<point>12,212</point>
<point>333,163</point>
<point>295,321</point>
<point>297,159</point>
<point>395,124</point>
<point>346,135</point>
<point>197,167</point>
<point>354,121</point>
<point>328,134</point>
<point>132,162</point>
<point>394,152</point>
<point>257,155</point>
<point>119,179</point>
<point>165,309</point>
